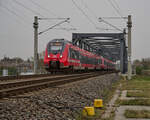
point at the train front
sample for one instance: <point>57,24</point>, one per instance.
<point>54,57</point>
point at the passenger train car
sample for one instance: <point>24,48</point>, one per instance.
<point>60,54</point>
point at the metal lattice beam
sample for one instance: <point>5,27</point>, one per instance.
<point>109,45</point>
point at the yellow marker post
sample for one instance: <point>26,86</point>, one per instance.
<point>88,111</point>
<point>98,103</point>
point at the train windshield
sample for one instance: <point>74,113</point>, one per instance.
<point>55,47</point>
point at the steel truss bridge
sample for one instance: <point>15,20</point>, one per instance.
<point>109,45</point>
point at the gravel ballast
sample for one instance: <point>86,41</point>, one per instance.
<point>60,103</point>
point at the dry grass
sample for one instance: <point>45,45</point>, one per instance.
<point>137,83</point>
<point>143,102</point>
<point>144,93</point>
<point>98,113</point>
<point>137,114</point>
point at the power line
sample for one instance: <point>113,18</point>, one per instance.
<point>84,13</point>
<point>19,12</point>
<point>45,9</point>
<point>97,17</point>
<point>14,13</point>
<point>48,11</point>
<point>28,8</point>
<point>89,9</point>
<point>54,26</point>
<point>102,20</point>
<point>119,13</point>
<point>117,4</point>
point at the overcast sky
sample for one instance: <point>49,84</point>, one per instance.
<point>16,23</point>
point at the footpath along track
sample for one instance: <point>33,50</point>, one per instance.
<point>17,87</point>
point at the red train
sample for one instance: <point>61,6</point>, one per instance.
<point>60,54</point>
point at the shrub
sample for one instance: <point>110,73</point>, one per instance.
<point>139,70</point>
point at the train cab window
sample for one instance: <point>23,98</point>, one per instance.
<point>55,47</point>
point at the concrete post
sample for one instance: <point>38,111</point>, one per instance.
<point>35,26</point>
<point>129,25</point>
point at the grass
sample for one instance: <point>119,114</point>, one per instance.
<point>98,113</point>
<point>143,102</point>
<point>141,83</point>
<point>137,114</point>
<point>137,83</point>
<point>107,95</point>
<point>144,93</point>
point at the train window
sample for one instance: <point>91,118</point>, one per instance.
<point>80,56</point>
<point>105,63</point>
<point>56,48</point>
<point>72,54</point>
<point>82,59</point>
<point>76,54</point>
<point>100,61</point>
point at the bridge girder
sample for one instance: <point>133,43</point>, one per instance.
<point>110,45</point>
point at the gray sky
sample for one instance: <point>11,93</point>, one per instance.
<point>16,29</point>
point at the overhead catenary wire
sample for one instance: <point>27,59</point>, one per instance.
<point>104,21</point>
<point>95,17</point>
<point>28,8</point>
<point>89,19</point>
<point>119,13</point>
<point>86,6</point>
<point>15,14</point>
<point>40,6</point>
<point>53,26</point>
<point>21,14</point>
<point>117,5</point>
<point>48,11</point>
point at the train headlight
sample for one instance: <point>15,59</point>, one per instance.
<point>48,56</point>
<point>60,56</point>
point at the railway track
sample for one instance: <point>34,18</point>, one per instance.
<point>17,87</point>
<point>22,77</point>
<point>15,77</point>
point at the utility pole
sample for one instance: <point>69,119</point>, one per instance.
<point>35,26</point>
<point>129,25</point>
